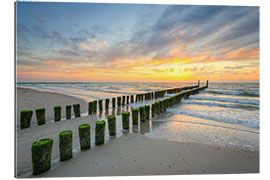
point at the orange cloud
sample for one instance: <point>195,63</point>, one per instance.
<point>83,45</point>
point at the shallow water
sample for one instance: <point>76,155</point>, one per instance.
<point>225,113</point>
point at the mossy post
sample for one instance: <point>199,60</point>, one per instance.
<point>153,110</point>
<point>100,105</point>
<point>125,120</point>
<point>40,114</point>
<point>142,113</point>
<point>68,111</point>
<point>107,102</point>
<point>132,98</point>
<point>118,101</point>
<point>77,110</point>
<point>112,125</point>
<point>41,156</point>
<point>25,118</point>
<point>135,116</point>
<point>100,132</point>
<point>65,145</point>
<point>57,113</point>
<point>157,107</point>
<point>113,102</point>
<point>90,107</point>
<point>147,112</point>
<point>85,136</point>
<point>95,106</point>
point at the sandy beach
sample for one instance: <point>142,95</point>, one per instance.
<point>28,99</point>
<point>129,154</point>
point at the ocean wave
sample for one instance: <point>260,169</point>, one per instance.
<point>241,118</point>
<point>236,93</point>
<point>227,105</point>
<point>232,100</point>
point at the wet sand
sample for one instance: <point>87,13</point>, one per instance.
<point>136,154</point>
<point>130,154</point>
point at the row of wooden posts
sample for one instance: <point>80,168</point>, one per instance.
<point>43,148</point>
<point>26,115</point>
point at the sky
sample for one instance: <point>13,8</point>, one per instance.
<point>136,42</point>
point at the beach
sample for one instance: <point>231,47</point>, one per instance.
<point>133,153</point>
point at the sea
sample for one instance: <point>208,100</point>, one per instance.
<point>225,113</point>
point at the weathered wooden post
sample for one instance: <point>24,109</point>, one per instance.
<point>107,102</point>
<point>142,113</point>
<point>77,110</point>
<point>113,103</point>
<point>85,136</point>
<point>132,98</point>
<point>68,111</point>
<point>100,132</point>
<point>135,116</point>
<point>207,83</point>
<point>198,83</point>
<point>112,125</point>
<point>95,106</point>
<point>90,107</point>
<point>40,114</point>
<point>41,156</point>
<point>125,120</point>
<point>118,101</point>
<point>100,105</point>
<point>65,145</point>
<point>57,113</point>
<point>127,99</point>
<point>123,100</point>
<point>147,112</point>
<point>153,110</point>
<point>25,118</point>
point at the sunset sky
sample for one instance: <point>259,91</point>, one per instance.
<point>132,42</point>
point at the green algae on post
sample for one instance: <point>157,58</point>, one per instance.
<point>135,116</point>
<point>40,114</point>
<point>25,118</point>
<point>68,111</point>
<point>90,108</point>
<point>100,132</point>
<point>65,145</point>
<point>112,125</point>
<point>147,112</point>
<point>125,120</point>
<point>153,110</point>
<point>41,156</point>
<point>77,110</point>
<point>85,136</point>
<point>142,113</point>
<point>57,113</point>
<point>157,107</point>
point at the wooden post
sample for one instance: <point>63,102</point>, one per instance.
<point>107,102</point>
<point>132,98</point>
<point>113,103</point>
<point>100,105</point>
<point>127,99</point>
<point>85,136</point>
<point>118,101</point>
<point>65,145</point>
